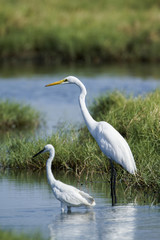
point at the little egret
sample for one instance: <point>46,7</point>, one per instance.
<point>69,196</point>
<point>111,143</point>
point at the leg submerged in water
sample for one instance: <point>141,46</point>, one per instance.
<point>68,209</point>
<point>113,184</point>
<point>62,208</point>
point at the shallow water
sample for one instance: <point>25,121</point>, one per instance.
<point>28,205</point>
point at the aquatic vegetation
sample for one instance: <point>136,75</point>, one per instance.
<point>16,116</point>
<point>92,31</point>
<point>5,235</point>
<point>137,119</point>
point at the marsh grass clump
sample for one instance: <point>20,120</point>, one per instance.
<point>71,154</point>
<point>137,119</point>
<point>5,235</point>
<point>93,31</point>
<point>15,116</point>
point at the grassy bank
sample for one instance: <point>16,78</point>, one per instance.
<point>9,235</point>
<point>137,119</point>
<point>87,31</point>
<point>15,116</point>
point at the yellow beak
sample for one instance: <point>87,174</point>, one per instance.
<point>55,83</point>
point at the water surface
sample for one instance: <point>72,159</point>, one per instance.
<point>28,205</point>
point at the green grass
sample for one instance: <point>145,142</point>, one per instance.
<point>70,154</point>
<point>88,31</point>
<point>137,119</point>
<point>10,235</point>
<point>15,116</point>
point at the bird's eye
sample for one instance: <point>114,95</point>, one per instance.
<point>65,80</point>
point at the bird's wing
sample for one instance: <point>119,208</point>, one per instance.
<point>105,137</point>
<point>114,146</point>
<point>89,199</point>
<point>71,196</point>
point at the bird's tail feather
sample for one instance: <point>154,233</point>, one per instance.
<point>89,199</point>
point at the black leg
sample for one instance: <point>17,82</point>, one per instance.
<point>68,209</point>
<point>113,184</point>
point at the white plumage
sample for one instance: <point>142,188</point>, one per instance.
<point>69,196</point>
<point>112,144</point>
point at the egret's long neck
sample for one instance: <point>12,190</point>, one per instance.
<point>90,122</point>
<point>50,176</point>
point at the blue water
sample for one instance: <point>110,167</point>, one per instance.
<point>28,205</point>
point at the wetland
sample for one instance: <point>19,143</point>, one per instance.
<point>27,203</point>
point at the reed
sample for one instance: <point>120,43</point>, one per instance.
<point>15,116</point>
<point>137,119</point>
<point>5,235</point>
<point>92,31</point>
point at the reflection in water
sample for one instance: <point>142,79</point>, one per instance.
<point>121,223</point>
<point>28,205</point>
<point>75,225</point>
<point>108,223</point>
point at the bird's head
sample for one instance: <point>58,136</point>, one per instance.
<point>47,148</point>
<point>69,79</point>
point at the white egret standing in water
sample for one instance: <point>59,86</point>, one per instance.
<point>69,196</point>
<point>112,144</point>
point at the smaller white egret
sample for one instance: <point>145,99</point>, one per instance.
<point>68,195</point>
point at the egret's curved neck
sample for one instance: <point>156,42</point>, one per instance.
<point>90,122</point>
<point>50,176</point>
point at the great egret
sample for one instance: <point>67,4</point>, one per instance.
<point>69,196</point>
<point>112,144</point>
